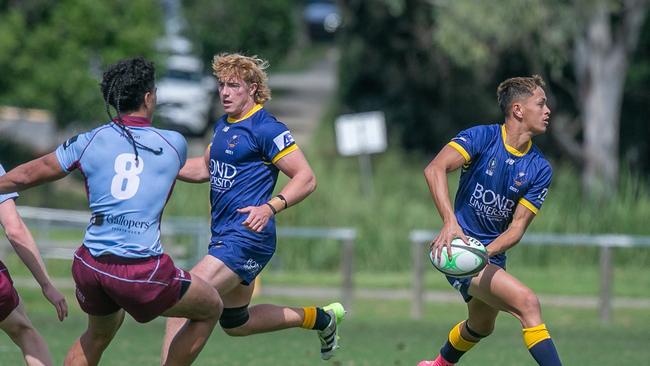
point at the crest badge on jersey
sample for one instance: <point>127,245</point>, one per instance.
<point>520,179</point>
<point>232,142</point>
<point>492,164</point>
<point>283,140</point>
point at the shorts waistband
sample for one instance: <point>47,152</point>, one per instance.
<point>116,259</point>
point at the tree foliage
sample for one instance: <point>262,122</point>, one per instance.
<point>464,48</point>
<point>52,53</point>
<point>388,63</point>
<point>266,28</point>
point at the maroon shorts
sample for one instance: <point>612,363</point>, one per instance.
<point>143,287</point>
<point>9,299</point>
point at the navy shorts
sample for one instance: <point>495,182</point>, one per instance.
<point>9,299</point>
<point>143,287</point>
<point>245,259</point>
<point>462,284</point>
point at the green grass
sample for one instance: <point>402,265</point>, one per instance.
<point>377,333</point>
<point>628,281</point>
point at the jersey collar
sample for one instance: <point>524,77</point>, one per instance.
<point>256,108</point>
<point>134,121</point>
<point>511,149</point>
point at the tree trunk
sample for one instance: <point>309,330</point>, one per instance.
<point>601,57</point>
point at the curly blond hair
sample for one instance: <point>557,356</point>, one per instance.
<point>248,68</point>
<point>515,88</point>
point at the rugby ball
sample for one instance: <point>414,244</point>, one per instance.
<point>466,260</point>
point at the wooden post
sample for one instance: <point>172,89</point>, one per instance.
<point>347,264</point>
<point>606,275</point>
<point>418,287</point>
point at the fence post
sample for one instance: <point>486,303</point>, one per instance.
<point>418,287</point>
<point>606,275</point>
<point>347,263</point>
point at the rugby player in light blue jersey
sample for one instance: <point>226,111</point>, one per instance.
<point>13,317</point>
<point>503,183</point>
<point>130,169</point>
<point>248,150</point>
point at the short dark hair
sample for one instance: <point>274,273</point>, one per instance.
<point>516,88</point>
<point>125,83</point>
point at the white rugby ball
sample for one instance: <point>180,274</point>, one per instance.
<point>466,260</point>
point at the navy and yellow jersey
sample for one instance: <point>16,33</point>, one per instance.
<point>7,196</point>
<point>126,198</point>
<point>495,179</point>
<point>242,172</point>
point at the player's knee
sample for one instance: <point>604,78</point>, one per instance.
<point>528,304</point>
<point>98,339</point>
<point>19,330</point>
<point>214,308</point>
<point>233,321</point>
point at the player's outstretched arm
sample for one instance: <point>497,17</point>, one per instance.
<point>447,160</point>
<point>41,170</point>
<point>23,243</point>
<point>195,169</point>
<point>521,219</point>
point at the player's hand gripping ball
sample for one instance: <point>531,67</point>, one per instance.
<point>466,260</point>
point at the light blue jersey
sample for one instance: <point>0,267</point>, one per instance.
<point>4,197</point>
<point>126,199</point>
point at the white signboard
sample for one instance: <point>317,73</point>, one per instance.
<point>361,133</point>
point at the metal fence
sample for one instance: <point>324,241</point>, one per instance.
<point>46,222</point>
<point>606,242</point>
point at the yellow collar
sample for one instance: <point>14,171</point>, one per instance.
<point>511,149</point>
<point>256,108</point>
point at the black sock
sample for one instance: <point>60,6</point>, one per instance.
<point>322,319</point>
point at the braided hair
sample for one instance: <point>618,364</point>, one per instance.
<point>124,86</point>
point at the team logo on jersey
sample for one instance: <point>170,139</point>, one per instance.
<point>283,140</point>
<point>490,204</point>
<point>121,223</point>
<point>232,142</point>
<point>520,179</point>
<point>222,175</point>
<point>491,166</point>
<point>70,141</point>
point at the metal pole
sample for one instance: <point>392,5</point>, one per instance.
<point>418,287</point>
<point>606,275</point>
<point>365,167</point>
<point>347,265</point>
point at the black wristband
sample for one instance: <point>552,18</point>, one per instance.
<point>272,208</point>
<point>283,199</point>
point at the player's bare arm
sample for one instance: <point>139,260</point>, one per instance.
<point>447,160</point>
<point>302,182</point>
<point>522,217</point>
<point>195,169</point>
<point>23,243</point>
<point>41,170</point>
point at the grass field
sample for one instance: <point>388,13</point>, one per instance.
<point>378,333</point>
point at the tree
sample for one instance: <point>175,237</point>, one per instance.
<point>266,29</point>
<point>603,44</point>
<point>52,53</point>
<point>599,35</point>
